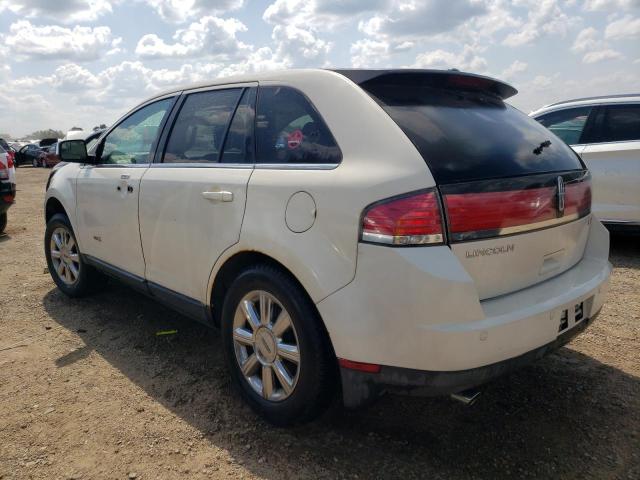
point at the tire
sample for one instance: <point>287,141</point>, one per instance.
<point>3,221</point>
<point>314,375</point>
<point>73,284</point>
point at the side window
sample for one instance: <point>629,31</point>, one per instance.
<point>290,130</point>
<point>198,132</point>
<point>567,124</point>
<point>239,145</point>
<point>132,141</point>
<point>618,123</point>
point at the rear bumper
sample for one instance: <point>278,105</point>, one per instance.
<point>360,388</point>
<point>416,312</point>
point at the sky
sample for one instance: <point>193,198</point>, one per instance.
<point>81,63</point>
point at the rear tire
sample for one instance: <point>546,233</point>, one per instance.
<point>263,355</point>
<point>65,261</point>
<point>3,221</point>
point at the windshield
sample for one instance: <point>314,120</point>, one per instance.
<point>465,136</point>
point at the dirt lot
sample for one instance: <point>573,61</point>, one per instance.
<point>87,390</point>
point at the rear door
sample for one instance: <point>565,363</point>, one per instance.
<point>193,198</point>
<point>516,198</point>
<point>107,191</point>
<point>613,156</point>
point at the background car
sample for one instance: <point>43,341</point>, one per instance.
<point>7,186</point>
<point>28,155</point>
<point>605,132</point>
<point>48,157</point>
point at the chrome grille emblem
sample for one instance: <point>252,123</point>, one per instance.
<point>561,194</point>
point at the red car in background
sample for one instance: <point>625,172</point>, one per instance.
<point>48,157</point>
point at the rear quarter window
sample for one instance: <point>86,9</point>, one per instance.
<point>466,136</point>
<point>290,130</point>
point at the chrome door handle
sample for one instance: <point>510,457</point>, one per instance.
<point>219,196</point>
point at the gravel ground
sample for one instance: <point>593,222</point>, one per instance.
<point>88,390</point>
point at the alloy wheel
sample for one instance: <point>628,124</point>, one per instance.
<point>65,256</point>
<point>266,346</point>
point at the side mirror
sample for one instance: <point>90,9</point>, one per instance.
<point>74,151</point>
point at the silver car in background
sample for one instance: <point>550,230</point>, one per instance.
<point>605,132</point>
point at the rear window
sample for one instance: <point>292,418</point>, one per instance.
<point>466,135</point>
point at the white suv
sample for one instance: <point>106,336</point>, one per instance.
<point>378,230</point>
<point>605,132</point>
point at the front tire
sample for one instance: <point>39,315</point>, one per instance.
<point>3,221</point>
<point>279,356</point>
<point>66,265</point>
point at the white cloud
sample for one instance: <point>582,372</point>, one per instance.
<point>210,36</point>
<point>594,48</point>
<point>65,11</point>
<point>600,55</point>
<point>587,39</point>
<point>467,60</point>
<point>545,17</point>
<point>422,18</point>
<point>626,27</point>
<point>514,69</point>
<point>50,42</point>
<point>178,11</point>
<point>610,5</point>
<point>299,46</point>
<point>367,53</point>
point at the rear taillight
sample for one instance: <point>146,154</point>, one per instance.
<point>489,214</point>
<point>412,219</point>
<point>4,171</point>
<point>10,159</point>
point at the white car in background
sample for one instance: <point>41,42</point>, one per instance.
<point>355,231</point>
<point>605,132</point>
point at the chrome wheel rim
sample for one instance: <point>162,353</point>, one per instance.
<point>266,346</point>
<point>65,256</point>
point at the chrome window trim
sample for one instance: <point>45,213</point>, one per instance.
<point>296,166</point>
<point>202,165</point>
<point>116,165</point>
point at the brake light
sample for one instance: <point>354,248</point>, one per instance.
<point>4,171</point>
<point>487,214</point>
<point>10,159</point>
<point>413,219</point>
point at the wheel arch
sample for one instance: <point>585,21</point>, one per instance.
<point>231,268</point>
<point>52,207</point>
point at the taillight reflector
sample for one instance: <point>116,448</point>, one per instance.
<point>409,220</point>
<point>476,215</point>
<point>359,366</point>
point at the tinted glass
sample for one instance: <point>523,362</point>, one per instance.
<point>466,136</point>
<point>132,140</point>
<point>239,145</point>
<point>619,123</point>
<point>199,129</point>
<point>290,130</point>
<point>567,124</point>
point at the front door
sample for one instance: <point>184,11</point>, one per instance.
<point>107,191</point>
<point>192,202</point>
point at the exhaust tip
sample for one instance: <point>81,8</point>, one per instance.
<point>467,397</point>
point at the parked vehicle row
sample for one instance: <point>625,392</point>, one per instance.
<point>605,132</point>
<point>409,232</point>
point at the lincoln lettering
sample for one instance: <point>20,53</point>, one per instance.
<point>481,252</point>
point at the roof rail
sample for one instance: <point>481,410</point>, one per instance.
<point>622,95</point>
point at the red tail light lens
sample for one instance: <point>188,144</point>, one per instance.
<point>4,172</point>
<point>487,214</point>
<point>10,159</point>
<point>410,220</point>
